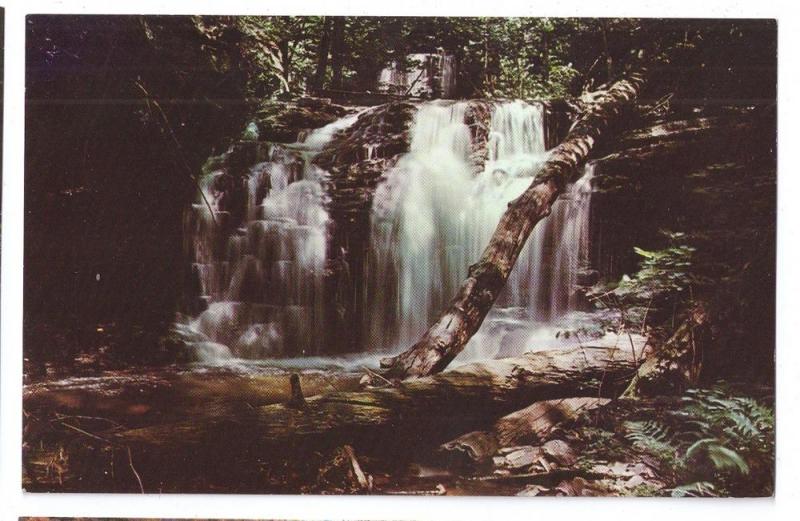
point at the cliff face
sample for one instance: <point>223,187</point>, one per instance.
<point>707,173</point>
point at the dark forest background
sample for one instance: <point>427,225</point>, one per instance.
<point>121,111</point>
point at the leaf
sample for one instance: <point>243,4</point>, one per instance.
<point>644,253</point>
<point>696,489</point>
<point>722,457</point>
<point>693,449</point>
<point>725,458</point>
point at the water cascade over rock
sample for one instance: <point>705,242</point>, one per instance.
<point>262,281</point>
<point>432,217</point>
<point>260,262</point>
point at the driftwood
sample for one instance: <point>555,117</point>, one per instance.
<point>465,313</point>
<point>527,426</point>
<point>464,396</point>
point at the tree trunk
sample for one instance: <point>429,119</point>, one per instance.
<point>432,407</point>
<point>527,426</point>
<point>546,56</point>
<point>607,52</point>
<point>322,55</point>
<point>286,65</point>
<point>337,52</point>
<point>451,332</point>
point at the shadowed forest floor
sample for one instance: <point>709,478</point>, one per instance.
<point>628,447</point>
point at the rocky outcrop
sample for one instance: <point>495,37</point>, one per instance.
<point>707,173</point>
<point>478,118</point>
<point>285,121</point>
<point>357,157</point>
<point>355,161</point>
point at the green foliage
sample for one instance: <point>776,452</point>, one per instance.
<point>600,444</point>
<point>643,490</point>
<point>696,489</point>
<point>716,442</point>
<point>522,57</point>
<point>662,272</point>
<point>652,437</point>
<point>282,51</point>
<point>665,277</point>
<point>497,57</point>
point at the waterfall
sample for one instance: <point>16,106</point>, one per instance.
<point>262,281</point>
<point>425,75</point>
<point>432,218</point>
<point>260,251</point>
<point>417,258</point>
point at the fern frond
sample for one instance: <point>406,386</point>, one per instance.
<point>725,458</point>
<point>721,457</point>
<point>696,489</point>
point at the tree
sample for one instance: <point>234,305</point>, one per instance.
<point>338,51</point>
<point>323,50</point>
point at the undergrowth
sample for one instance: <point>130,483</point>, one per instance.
<point>716,443</point>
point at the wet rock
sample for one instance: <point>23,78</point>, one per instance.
<point>587,277</point>
<point>560,452</point>
<point>478,118</point>
<point>519,457</point>
<point>283,121</point>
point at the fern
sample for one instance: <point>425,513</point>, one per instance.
<point>696,489</point>
<point>651,437</point>
<point>712,441</point>
<point>722,457</point>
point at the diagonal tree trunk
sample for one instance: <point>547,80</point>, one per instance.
<point>451,332</point>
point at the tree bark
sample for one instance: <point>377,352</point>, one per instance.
<point>463,396</point>
<point>322,55</point>
<point>286,65</point>
<point>337,52</point>
<point>546,56</point>
<point>450,333</point>
<point>527,426</point>
<point>609,59</point>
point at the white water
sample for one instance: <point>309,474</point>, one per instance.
<point>426,74</point>
<point>432,218</point>
<point>263,281</point>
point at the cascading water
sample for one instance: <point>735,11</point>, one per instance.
<point>432,218</point>
<point>417,255</point>
<point>260,260</point>
<point>425,75</point>
<point>262,281</point>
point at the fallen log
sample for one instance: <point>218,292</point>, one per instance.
<point>466,396</point>
<point>465,313</point>
<point>528,426</point>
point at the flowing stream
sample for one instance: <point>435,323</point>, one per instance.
<point>262,281</point>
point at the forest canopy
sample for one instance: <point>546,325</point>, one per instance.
<point>503,57</point>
